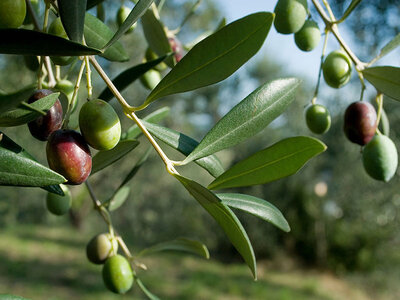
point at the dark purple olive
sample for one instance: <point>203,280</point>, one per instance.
<point>360,122</point>
<point>42,127</point>
<point>69,155</point>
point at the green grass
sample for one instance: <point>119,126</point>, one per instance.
<point>50,263</point>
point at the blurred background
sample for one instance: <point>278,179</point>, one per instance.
<point>345,238</point>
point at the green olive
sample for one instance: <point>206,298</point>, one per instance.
<point>150,79</point>
<point>380,158</point>
<point>12,13</point>
<point>66,87</point>
<point>101,247</point>
<point>99,124</point>
<point>56,28</point>
<point>122,14</point>
<point>318,119</point>
<point>337,69</point>
<point>117,274</point>
<point>151,55</point>
<point>59,205</point>
<point>290,15</point>
<point>308,37</point>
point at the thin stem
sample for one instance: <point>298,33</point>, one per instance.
<point>188,16</point>
<point>88,78</point>
<point>124,247</point>
<point>329,9</point>
<point>97,205</point>
<point>33,14</point>
<point>379,101</point>
<point>314,99</point>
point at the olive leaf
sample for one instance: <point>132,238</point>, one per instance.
<point>72,14</point>
<point>10,101</point>
<point>145,290</point>
<point>389,47</point>
<point>92,3</point>
<point>385,79</point>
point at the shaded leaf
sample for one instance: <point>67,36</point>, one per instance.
<point>385,79</point>
<point>138,10</point>
<point>185,145</point>
<point>92,3</point>
<point>248,117</point>
<point>136,168</point>
<point>389,47</point>
<point>180,244</point>
<point>72,14</point>
<point>97,34</point>
<point>280,160</point>
<point>18,169</point>
<point>155,117</point>
<point>128,76</point>
<point>30,42</point>
<point>24,115</point>
<point>257,207</point>
<point>225,218</point>
<point>105,158</point>
<point>10,101</point>
<point>118,199</point>
<point>216,57</point>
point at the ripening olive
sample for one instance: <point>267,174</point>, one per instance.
<point>43,126</point>
<point>318,118</point>
<point>122,14</point>
<point>56,28</point>
<point>101,247</point>
<point>176,47</point>
<point>290,15</point>
<point>380,158</point>
<point>151,55</point>
<point>337,69</point>
<point>117,274</point>
<point>360,122</point>
<point>307,38</point>
<point>150,79</point>
<point>12,13</point>
<point>68,154</point>
<point>59,205</point>
<point>99,124</point>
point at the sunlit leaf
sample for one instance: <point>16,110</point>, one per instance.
<point>118,199</point>
<point>225,218</point>
<point>31,42</point>
<point>248,117</point>
<point>216,57</point>
<point>280,160</point>
<point>257,207</point>
<point>185,145</point>
<point>72,14</point>
<point>385,79</point>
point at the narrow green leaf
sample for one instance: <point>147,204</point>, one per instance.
<point>155,117</point>
<point>248,117</point>
<point>384,123</point>
<point>11,297</point>
<point>139,9</point>
<point>225,218</point>
<point>385,79</point>
<point>180,244</point>
<point>257,207</point>
<point>156,36</point>
<point>10,101</point>
<point>136,167</point>
<point>72,14</point>
<point>389,47</point>
<point>216,57</point>
<point>118,199</point>
<point>92,3</point>
<point>349,9</point>
<point>97,34</point>
<point>128,76</point>
<point>105,158</point>
<point>18,169</point>
<point>185,145</point>
<point>277,161</point>
<point>145,290</point>
<point>24,115</point>
<point>31,42</point>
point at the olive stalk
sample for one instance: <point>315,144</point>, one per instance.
<point>379,101</point>
<point>314,99</point>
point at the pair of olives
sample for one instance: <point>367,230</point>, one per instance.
<point>117,272</point>
<point>290,17</point>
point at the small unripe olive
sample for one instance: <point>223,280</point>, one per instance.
<point>117,274</point>
<point>12,13</point>
<point>99,124</point>
<point>43,126</point>
<point>151,55</point>
<point>290,15</point>
<point>101,247</point>
<point>31,62</point>
<point>380,158</point>
<point>59,205</point>
<point>150,79</point>
<point>122,14</point>
<point>318,118</point>
<point>56,28</point>
<point>68,154</point>
<point>337,69</point>
<point>308,37</point>
<point>360,122</point>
